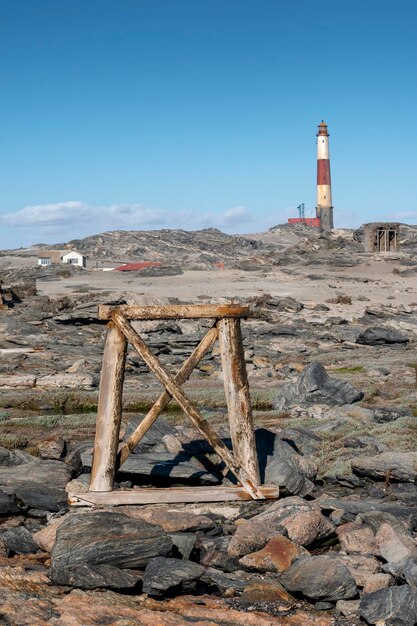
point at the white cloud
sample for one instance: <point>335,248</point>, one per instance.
<point>238,214</point>
<point>406,216</point>
<point>76,219</point>
<point>39,214</point>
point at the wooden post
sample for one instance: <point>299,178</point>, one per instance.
<point>189,409</point>
<point>236,389</point>
<point>109,413</point>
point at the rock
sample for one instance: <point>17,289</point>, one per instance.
<point>396,606</point>
<point>65,381</point>
<point>7,504</point>
<point>386,414</point>
<point>77,608</point>
<point>361,567</point>
<point>12,458</point>
<point>19,540</point>
<point>302,440</point>
<point>395,543</point>
<point>52,447</point>
<point>349,608</point>
<point>105,538</point>
<point>79,364</point>
<point>278,464</point>
<point>220,560</point>
<point>171,520</point>
<point>265,591</point>
<point>81,484</point>
<point>162,574</point>
<point>315,386</point>
<point>11,381</point>
<point>375,582</point>
<point>38,496</point>
<point>53,473</point>
<point>323,606</point>
<point>278,554</point>
<point>379,335</point>
<point>319,577</point>
<point>183,544</point>
<point>45,538</point>
<point>357,538</point>
<point>299,519</point>
<point>87,576</point>
<point>224,581</point>
<point>372,512</point>
<point>401,466</point>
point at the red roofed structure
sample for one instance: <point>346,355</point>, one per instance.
<point>131,267</point>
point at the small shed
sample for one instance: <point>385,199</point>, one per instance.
<point>381,237</point>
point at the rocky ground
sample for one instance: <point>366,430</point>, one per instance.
<point>330,352</point>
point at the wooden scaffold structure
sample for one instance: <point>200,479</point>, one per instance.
<point>109,455</point>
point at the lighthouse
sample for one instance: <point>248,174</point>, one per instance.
<point>324,208</point>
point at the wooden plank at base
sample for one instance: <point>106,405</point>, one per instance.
<point>169,495</point>
<point>173,311</point>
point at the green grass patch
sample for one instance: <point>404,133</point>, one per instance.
<point>350,370</point>
<point>69,422</point>
<point>11,441</point>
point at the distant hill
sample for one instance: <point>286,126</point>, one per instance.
<point>175,246</point>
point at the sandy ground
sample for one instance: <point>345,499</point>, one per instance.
<point>382,285</point>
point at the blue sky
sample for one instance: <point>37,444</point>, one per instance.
<point>191,113</point>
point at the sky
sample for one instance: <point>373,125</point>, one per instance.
<point>145,114</point>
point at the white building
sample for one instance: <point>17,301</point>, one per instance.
<point>49,257</point>
<point>74,258</point>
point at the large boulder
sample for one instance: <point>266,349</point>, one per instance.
<point>320,578</point>
<point>315,386</point>
<point>379,336</point>
<point>396,606</point>
<point>17,468</point>
<point>37,496</point>
<point>104,538</point>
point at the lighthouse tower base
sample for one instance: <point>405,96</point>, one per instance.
<point>325,214</point>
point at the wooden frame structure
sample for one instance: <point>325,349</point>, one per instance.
<point>110,456</point>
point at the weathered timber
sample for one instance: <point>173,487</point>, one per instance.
<point>180,311</point>
<point>109,412</point>
<point>176,392</point>
<point>164,399</point>
<point>170,495</point>
<point>236,389</point>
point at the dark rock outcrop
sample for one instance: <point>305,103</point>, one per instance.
<point>379,336</point>
<point>315,386</point>
<point>105,538</point>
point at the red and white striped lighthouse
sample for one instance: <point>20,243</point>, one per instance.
<point>324,209</point>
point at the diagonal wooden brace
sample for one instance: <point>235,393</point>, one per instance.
<point>195,416</point>
<point>165,398</point>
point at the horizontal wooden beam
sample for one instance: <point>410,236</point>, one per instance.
<point>171,495</point>
<point>177,311</point>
